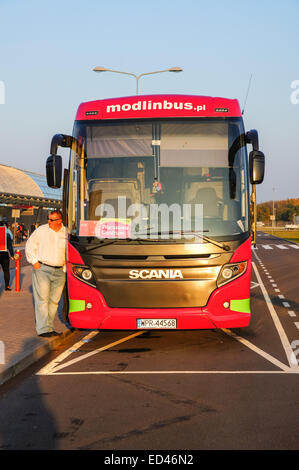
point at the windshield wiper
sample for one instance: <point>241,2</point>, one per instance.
<point>196,234</point>
<point>210,240</point>
<point>173,232</point>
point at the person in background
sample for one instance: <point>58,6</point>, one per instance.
<point>19,233</point>
<point>24,232</point>
<point>45,250</point>
<point>4,257</point>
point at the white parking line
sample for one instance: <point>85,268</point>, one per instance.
<point>283,337</point>
<point>52,366</point>
<point>49,367</point>
<point>56,365</point>
<point>259,351</point>
<point>280,296</point>
<point>173,372</point>
<point>280,247</point>
<point>253,285</point>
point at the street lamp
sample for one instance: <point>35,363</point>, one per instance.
<point>273,210</point>
<point>103,69</point>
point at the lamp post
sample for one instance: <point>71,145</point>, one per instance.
<point>137,77</point>
<point>273,211</point>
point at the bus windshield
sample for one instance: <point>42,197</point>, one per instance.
<point>159,179</point>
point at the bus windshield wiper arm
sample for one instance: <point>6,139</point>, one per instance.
<point>196,234</point>
<point>210,240</point>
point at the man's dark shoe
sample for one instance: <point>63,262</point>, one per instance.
<point>48,334</point>
<point>8,288</point>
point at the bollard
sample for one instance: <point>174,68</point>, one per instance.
<point>18,257</point>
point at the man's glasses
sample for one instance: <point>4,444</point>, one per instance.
<point>53,220</point>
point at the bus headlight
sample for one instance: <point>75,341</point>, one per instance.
<point>230,272</point>
<point>84,273</point>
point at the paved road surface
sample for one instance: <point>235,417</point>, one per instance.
<point>190,390</point>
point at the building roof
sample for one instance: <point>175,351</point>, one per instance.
<point>26,183</point>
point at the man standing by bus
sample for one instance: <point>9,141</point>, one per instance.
<point>45,250</point>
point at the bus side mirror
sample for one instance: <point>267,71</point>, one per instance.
<point>252,138</point>
<point>256,158</point>
<point>256,167</point>
<point>54,171</point>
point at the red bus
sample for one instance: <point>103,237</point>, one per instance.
<point>157,206</point>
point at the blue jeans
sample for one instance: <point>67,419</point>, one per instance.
<point>47,286</point>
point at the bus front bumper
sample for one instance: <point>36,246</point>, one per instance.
<point>227,307</point>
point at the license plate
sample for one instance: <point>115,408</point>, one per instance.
<point>158,323</point>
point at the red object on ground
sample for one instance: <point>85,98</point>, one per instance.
<point>18,270</point>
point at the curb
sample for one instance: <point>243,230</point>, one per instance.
<point>34,356</point>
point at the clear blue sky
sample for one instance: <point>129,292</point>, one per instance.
<point>48,50</point>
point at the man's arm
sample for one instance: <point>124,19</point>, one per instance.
<point>31,249</point>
